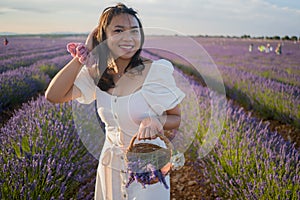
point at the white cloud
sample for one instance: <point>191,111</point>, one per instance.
<point>234,17</point>
<point>5,10</point>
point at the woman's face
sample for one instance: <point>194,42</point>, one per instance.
<point>123,36</point>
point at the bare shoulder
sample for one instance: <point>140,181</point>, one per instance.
<point>147,62</point>
<point>147,65</point>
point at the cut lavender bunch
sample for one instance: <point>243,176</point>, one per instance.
<point>147,177</point>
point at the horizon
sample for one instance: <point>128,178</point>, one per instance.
<point>12,34</point>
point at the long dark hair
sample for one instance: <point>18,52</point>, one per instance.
<point>99,43</point>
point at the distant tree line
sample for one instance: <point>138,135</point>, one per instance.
<point>276,37</point>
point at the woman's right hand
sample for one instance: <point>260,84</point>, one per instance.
<point>149,129</point>
<point>89,39</point>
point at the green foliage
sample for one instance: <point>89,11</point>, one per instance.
<point>50,70</point>
<point>42,156</point>
<point>294,38</point>
<point>250,163</point>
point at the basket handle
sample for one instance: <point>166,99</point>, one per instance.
<point>161,136</point>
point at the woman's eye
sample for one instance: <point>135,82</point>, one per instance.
<point>118,31</point>
<point>135,30</point>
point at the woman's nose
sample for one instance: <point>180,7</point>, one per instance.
<point>126,35</point>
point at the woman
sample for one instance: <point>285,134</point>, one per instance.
<point>134,96</point>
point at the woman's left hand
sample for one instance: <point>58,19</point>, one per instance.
<point>89,39</point>
<point>149,128</point>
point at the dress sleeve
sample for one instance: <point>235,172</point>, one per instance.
<point>86,85</point>
<point>160,90</point>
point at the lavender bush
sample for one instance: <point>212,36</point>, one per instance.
<point>42,156</point>
<point>272,99</point>
<point>24,61</point>
<point>52,66</point>
<point>26,51</point>
<point>20,46</point>
<point>250,162</point>
<point>21,84</point>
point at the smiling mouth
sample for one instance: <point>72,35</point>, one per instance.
<point>127,47</point>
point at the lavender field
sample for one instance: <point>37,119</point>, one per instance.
<point>42,155</point>
<point>264,82</point>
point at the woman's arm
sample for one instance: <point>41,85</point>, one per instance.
<point>61,88</point>
<point>151,125</point>
<point>172,118</point>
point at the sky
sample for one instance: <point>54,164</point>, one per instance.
<point>187,17</point>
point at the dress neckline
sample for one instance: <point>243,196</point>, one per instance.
<point>137,91</point>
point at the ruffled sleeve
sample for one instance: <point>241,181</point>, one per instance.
<point>159,89</point>
<point>86,85</point>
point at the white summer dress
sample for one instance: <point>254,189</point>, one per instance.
<point>122,116</point>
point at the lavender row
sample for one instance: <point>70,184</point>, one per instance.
<point>10,55</point>
<point>20,85</point>
<point>24,51</point>
<point>235,53</point>
<point>25,61</point>
<point>250,77</point>
<point>250,162</point>
<point>268,97</point>
<point>245,160</point>
<point>42,156</point>
<point>20,46</point>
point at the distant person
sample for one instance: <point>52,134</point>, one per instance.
<point>268,48</point>
<point>5,41</point>
<point>250,47</point>
<point>261,48</point>
<point>271,48</point>
<point>278,49</point>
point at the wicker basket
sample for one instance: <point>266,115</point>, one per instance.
<point>148,153</point>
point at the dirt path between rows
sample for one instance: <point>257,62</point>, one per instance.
<point>185,184</point>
